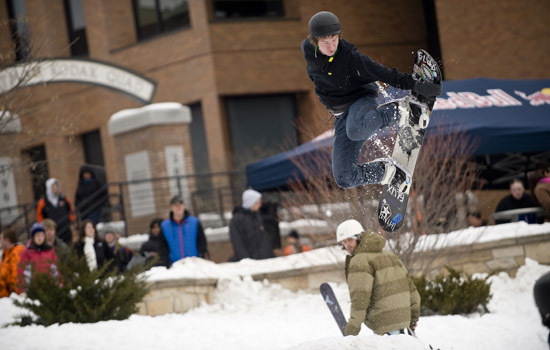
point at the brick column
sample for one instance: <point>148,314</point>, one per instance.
<point>152,142</point>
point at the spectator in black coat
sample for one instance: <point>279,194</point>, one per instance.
<point>517,199</point>
<point>246,230</point>
<point>119,255</point>
<point>91,246</point>
<point>90,197</point>
<point>156,246</point>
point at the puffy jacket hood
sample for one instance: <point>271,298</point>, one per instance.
<point>370,242</point>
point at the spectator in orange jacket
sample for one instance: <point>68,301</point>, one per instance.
<point>37,258</point>
<point>293,244</point>
<point>57,207</point>
<point>11,252</point>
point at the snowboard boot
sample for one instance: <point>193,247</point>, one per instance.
<point>394,175</point>
<point>389,173</point>
<point>419,114</point>
<point>399,181</point>
<point>389,113</point>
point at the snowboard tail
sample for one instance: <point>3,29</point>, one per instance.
<point>330,299</point>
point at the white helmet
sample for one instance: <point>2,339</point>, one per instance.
<point>347,229</point>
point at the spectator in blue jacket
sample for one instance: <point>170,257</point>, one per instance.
<point>183,232</point>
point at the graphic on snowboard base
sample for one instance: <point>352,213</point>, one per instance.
<point>415,111</point>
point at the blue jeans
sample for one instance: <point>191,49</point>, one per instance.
<point>351,130</point>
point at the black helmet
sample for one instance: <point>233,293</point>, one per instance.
<point>324,23</point>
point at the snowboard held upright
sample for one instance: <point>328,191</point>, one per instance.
<point>415,111</point>
<point>330,299</point>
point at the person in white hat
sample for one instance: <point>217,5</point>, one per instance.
<point>246,230</point>
<point>394,304</point>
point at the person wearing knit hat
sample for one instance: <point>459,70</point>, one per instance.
<point>246,230</point>
<point>37,258</point>
<point>120,255</point>
<point>251,198</point>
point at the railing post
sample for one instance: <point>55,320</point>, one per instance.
<point>220,206</point>
<point>122,211</point>
<point>27,228</point>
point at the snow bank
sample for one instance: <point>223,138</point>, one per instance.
<point>200,268</point>
<point>247,314</point>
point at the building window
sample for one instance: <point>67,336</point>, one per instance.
<point>260,126</point>
<point>19,29</point>
<point>223,9</point>
<point>76,25</point>
<point>93,151</point>
<point>199,147</point>
<point>157,16</point>
<point>38,167</point>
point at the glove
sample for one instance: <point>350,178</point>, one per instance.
<point>427,89</point>
<point>413,325</point>
<point>351,329</point>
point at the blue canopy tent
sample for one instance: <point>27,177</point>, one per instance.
<point>503,116</point>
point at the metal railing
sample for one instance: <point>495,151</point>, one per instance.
<point>137,202</point>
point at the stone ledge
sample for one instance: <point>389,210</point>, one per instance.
<point>172,283</point>
<point>296,272</point>
<point>181,295</point>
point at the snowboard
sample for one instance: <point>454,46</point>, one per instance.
<point>330,299</point>
<point>415,111</point>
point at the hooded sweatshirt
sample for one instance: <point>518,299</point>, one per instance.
<point>382,295</point>
<point>58,208</point>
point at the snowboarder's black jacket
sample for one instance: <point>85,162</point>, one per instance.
<point>348,75</point>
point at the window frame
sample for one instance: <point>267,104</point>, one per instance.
<point>213,17</point>
<point>72,33</point>
<point>160,24</point>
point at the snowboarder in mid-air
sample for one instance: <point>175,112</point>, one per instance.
<point>345,82</point>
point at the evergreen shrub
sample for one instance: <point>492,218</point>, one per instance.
<point>453,293</point>
<point>82,296</point>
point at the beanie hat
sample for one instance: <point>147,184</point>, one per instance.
<point>250,197</point>
<point>104,230</point>
<point>36,227</point>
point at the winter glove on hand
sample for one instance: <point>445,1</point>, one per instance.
<point>413,325</point>
<point>351,329</point>
<point>427,89</point>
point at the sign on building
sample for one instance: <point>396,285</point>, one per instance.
<point>141,194</point>
<point>8,196</point>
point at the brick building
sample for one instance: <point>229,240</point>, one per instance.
<point>236,64</point>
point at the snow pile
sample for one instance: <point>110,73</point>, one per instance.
<point>200,268</point>
<point>247,314</point>
<point>483,234</point>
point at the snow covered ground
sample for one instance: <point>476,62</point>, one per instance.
<point>255,315</point>
<point>247,314</point>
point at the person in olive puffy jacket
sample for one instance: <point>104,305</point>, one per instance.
<point>381,292</point>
